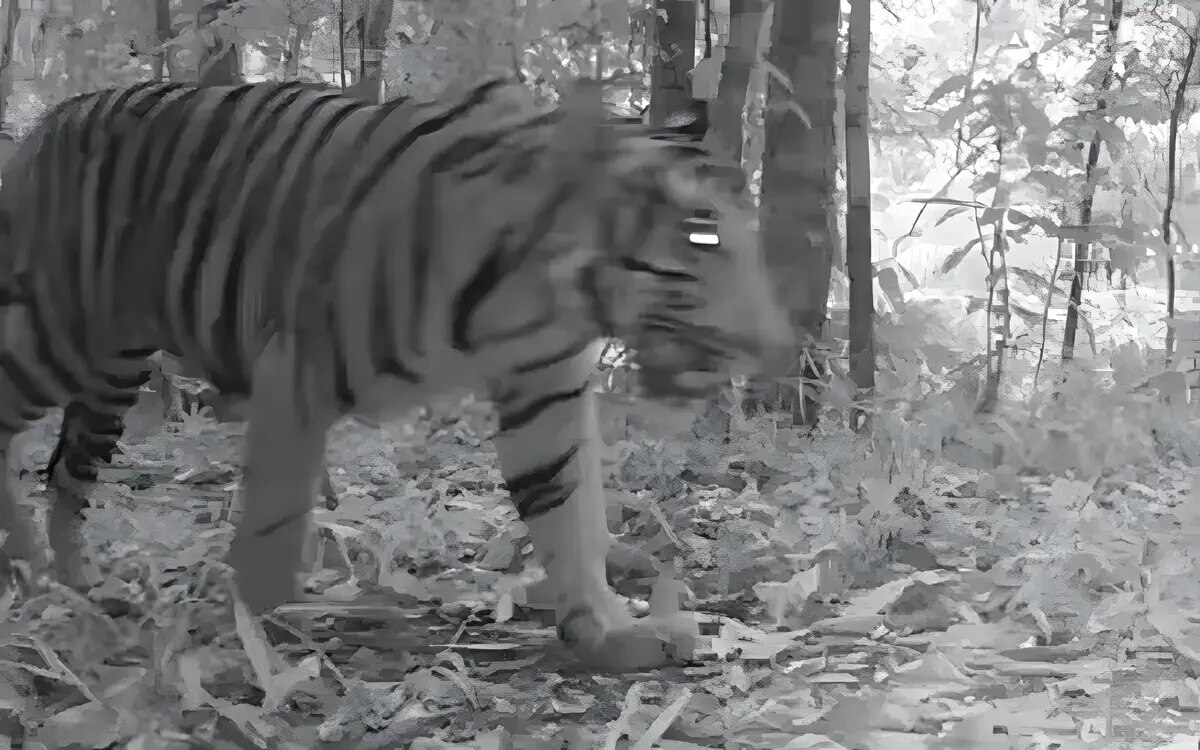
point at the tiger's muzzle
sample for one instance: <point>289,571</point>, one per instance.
<point>680,363</point>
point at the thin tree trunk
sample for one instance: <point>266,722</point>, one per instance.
<point>999,319</point>
<point>1083,250</point>
<point>342,42</point>
<point>858,189</point>
<point>1037,370</point>
<point>799,215</point>
<point>708,28</point>
<point>1170,345</point>
<point>1172,156</point>
<point>362,41</point>
<point>674,56</point>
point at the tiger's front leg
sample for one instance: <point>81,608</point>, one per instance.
<point>284,458</point>
<point>550,447</point>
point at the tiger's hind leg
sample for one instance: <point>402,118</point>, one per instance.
<point>550,448</point>
<point>28,387</point>
<point>92,425</point>
<point>70,475</point>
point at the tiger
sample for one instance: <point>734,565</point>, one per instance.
<point>322,257</point>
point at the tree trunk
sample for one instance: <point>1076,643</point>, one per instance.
<point>726,132</point>
<point>754,137</point>
<point>858,189</point>
<point>1083,250</point>
<point>220,61</point>
<point>799,215</point>
<point>342,42</point>
<point>674,57</point>
<point>11,16</point>
<point>1177,108</point>
<point>373,39</point>
<point>162,32</point>
<point>291,62</point>
<point>741,55</point>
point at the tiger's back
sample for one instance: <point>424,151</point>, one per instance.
<point>123,242</point>
<point>210,217</point>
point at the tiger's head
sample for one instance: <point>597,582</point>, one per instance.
<point>670,263</point>
<point>685,289</point>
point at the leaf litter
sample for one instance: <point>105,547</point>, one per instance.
<point>859,591</point>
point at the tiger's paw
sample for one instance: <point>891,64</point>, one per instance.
<point>264,581</point>
<point>25,562</point>
<point>72,569</point>
<point>265,589</point>
<point>76,577</point>
<point>613,642</point>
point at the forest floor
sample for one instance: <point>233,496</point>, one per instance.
<point>853,601</point>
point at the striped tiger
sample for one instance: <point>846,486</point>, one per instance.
<point>323,257</point>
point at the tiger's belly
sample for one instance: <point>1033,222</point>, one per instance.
<point>388,398</point>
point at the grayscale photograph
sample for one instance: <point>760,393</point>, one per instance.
<point>600,374</point>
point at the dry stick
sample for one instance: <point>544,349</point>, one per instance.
<point>309,643</point>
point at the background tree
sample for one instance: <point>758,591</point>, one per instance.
<point>799,178</point>
<point>10,18</point>
<point>373,27</point>
<point>674,58</point>
<point>220,60</point>
<point>303,15</point>
<point>739,60</point>
<point>859,237</point>
<point>1106,69</point>
<point>1181,79</point>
